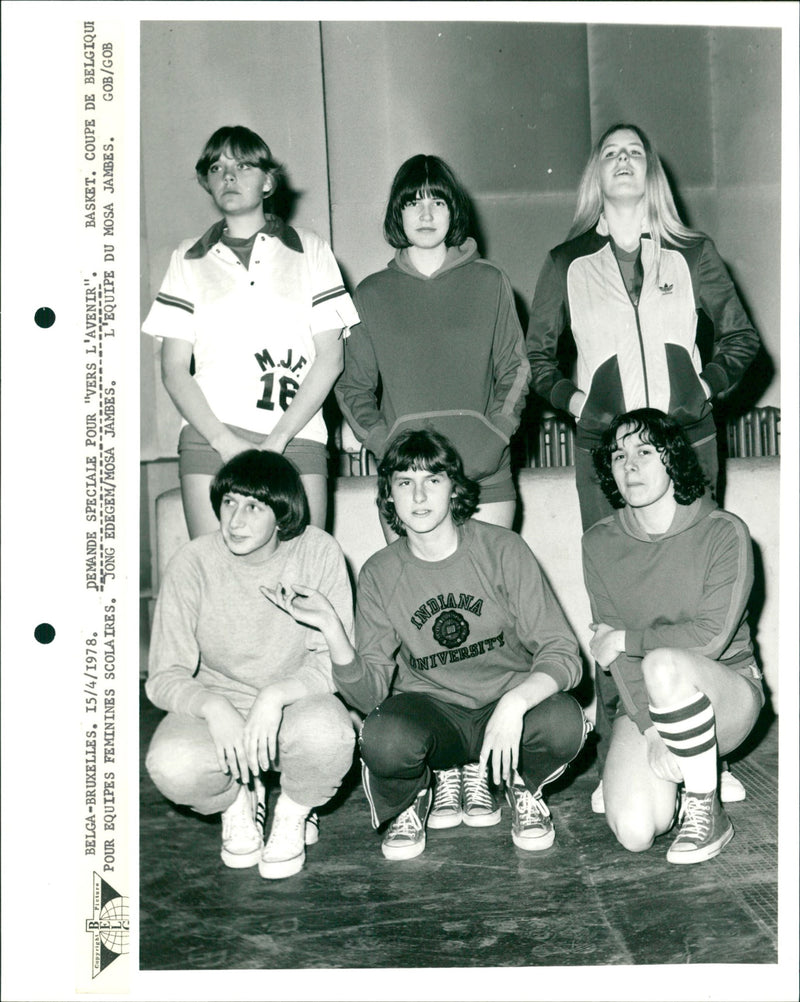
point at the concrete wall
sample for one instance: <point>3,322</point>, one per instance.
<point>493,99</point>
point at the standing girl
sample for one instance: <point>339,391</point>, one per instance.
<point>628,283</point>
<point>252,317</point>
<point>439,332</point>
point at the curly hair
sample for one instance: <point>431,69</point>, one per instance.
<point>425,450</point>
<point>667,437</point>
<point>427,174</point>
<point>269,478</point>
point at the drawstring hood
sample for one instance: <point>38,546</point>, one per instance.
<point>685,517</point>
<point>456,258</point>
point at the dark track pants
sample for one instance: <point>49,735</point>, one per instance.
<point>409,735</point>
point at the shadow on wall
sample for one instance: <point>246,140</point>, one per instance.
<point>284,200</point>
<point>762,370</point>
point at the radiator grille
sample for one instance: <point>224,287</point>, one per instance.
<point>551,442</point>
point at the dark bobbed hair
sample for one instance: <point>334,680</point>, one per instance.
<point>425,449</point>
<point>244,144</point>
<point>269,478</point>
<point>428,175</point>
<point>667,437</point>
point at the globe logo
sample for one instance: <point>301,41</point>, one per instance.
<point>113,925</point>
<point>109,924</point>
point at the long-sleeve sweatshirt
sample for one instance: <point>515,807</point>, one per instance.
<point>641,354</point>
<point>464,630</point>
<point>450,354</point>
<point>686,589</point>
<point>215,632</point>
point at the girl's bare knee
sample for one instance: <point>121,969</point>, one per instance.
<point>661,659</point>
<point>633,832</point>
<point>662,673</point>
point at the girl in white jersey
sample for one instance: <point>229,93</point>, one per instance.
<point>252,317</point>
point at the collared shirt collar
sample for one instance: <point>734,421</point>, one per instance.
<point>273,227</point>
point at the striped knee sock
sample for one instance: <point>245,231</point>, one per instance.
<point>689,731</point>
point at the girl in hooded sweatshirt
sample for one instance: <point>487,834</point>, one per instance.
<point>669,577</point>
<point>440,333</point>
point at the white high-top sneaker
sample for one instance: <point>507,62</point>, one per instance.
<point>242,837</point>
<point>285,851</point>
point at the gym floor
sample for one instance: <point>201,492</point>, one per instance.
<point>471,899</point>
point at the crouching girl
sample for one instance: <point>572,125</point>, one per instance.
<point>461,661</point>
<point>669,576</point>
<point>247,689</point>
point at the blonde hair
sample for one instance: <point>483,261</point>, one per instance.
<point>661,216</point>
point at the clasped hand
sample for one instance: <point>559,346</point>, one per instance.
<point>607,644</point>
<point>230,444</point>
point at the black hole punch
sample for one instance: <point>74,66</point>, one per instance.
<point>44,633</point>
<point>44,317</point>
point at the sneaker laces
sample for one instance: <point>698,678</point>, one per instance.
<point>476,788</point>
<point>530,808</point>
<point>696,816</point>
<point>407,824</point>
<point>447,791</point>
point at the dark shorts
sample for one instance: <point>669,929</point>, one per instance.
<point>752,674</point>
<point>195,454</point>
<point>498,486</point>
<point>611,705</point>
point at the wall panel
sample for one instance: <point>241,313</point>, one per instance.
<point>657,77</point>
<point>747,111</point>
<point>492,99</point>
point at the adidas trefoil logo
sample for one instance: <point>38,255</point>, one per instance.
<point>665,289</point>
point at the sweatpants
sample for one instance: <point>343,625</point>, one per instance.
<point>410,735</point>
<point>315,751</point>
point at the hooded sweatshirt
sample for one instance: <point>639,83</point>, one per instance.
<point>450,354</point>
<point>687,589</point>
